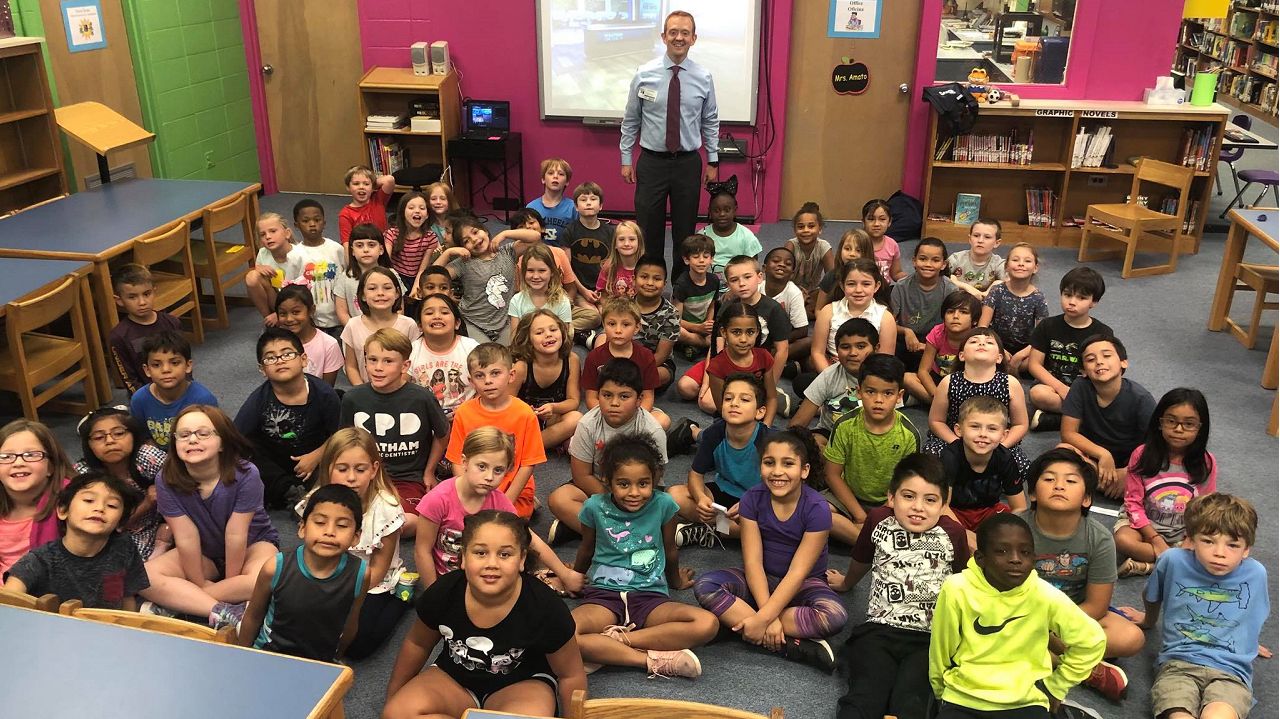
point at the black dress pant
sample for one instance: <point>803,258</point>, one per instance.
<point>661,176</point>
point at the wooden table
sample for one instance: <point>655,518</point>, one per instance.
<point>101,224</point>
<point>23,278</point>
<point>59,666</point>
<point>1264,224</point>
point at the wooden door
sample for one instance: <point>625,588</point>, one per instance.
<point>842,150</point>
<point>312,48</point>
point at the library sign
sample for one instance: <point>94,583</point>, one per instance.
<point>850,78</point>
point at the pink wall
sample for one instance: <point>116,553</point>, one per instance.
<point>497,56</point>
<point>1117,50</point>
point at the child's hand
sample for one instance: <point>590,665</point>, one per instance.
<point>706,327</point>
<point>753,629</point>
<point>1159,545</point>
<point>543,410</point>
<point>1264,652</point>
<point>304,465</point>
<point>573,581</point>
<point>836,579</point>
<point>1062,390</point>
<point>912,342</point>
<point>429,480</point>
<point>1134,615</point>
<point>732,513</point>
<point>685,579</point>
<point>706,514</point>
<point>590,296</point>
<point>271,320</point>
<point>774,636</point>
<point>264,270</point>
<point>415,293</point>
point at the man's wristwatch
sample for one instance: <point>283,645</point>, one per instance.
<point>713,164</point>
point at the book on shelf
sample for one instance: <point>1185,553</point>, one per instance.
<point>1090,148</point>
<point>968,208</point>
<point>386,122</point>
<point>1009,149</point>
<point>1042,207</point>
<point>1197,148</point>
<point>387,156</point>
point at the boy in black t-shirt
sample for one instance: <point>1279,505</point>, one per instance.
<point>92,562</point>
<point>134,290</point>
<point>587,239</point>
<point>287,418</point>
<point>694,295</point>
<point>979,468</point>
<point>404,418</point>
<point>1055,345</point>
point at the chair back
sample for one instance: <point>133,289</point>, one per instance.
<point>581,708</point>
<point>46,603</point>
<point>162,244</point>
<point>1231,154</point>
<point>1167,174</point>
<point>167,625</point>
<point>28,315</point>
<point>226,214</point>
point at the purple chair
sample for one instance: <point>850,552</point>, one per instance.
<point>1266,178</point>
<point>1232,154</point>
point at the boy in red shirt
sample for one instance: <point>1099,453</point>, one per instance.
<point>369,197</point>
<point>621,320</point>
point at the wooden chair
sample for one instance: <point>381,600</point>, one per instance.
<point>225,264</point>
<point>1135,223</point>
<point>47,603</point>
<point>1262,280</point>
<point>581,708</point>
<point>177,294</point>
<point>34,358</point>
<point>168,625</point>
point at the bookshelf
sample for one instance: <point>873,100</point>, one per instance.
<point>1242,48</point>
<point>30,149</point>
<point>392,91</point>
<point>1038,202</point>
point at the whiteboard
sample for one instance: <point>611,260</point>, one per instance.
<point>588,51</point>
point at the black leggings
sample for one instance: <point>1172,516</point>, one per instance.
<point>379,616</point>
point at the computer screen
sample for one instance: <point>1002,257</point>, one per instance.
<point>488,115</point>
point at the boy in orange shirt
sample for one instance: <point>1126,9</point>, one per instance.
<point>490,368</point>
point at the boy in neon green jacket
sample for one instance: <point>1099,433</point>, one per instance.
<point>991,628</point>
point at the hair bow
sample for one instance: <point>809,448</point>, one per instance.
<point>729,187</point>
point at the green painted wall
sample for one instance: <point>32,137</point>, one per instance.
<point>188,56</point>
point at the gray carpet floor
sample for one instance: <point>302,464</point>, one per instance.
<point>1162,321</point>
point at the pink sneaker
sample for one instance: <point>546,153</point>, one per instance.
<point>683,663</point>
<point>619,632</point>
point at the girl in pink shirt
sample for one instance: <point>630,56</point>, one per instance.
<point>33,468</point>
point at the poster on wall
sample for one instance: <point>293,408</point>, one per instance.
<point>83,21</point>
<point>854,18</point>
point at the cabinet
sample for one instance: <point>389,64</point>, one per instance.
<point>30,150</point>
<point>1240,47</point>
<point>393,91</point>
<point>1042,182</point>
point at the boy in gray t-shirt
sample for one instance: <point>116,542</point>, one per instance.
<point>834,392</point>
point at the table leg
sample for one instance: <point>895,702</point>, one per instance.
<point>1272,365</point>
<point>97,345</point>
<point>1273,424</point>
<point>1231,256</point>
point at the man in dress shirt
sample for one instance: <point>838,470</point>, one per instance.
<point>671,110</point>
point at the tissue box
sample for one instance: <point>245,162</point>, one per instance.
<point>419,123</point>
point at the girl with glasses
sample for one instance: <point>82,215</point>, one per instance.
<point>113,441</point>
<point>33,468</point>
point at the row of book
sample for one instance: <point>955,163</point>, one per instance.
<point>1009,149</point>
<point>1197,148</point>
<point>1091,145</point>
<point>387,156</point>
<point>1042,207</point>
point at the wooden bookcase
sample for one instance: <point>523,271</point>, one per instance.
<point>30,149</point>
<point>1240,47</point>
<point>390,90</point>
<point>1155,131</point>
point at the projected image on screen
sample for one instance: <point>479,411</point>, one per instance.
<point>590,49</point>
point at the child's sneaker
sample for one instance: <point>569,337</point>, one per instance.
<point>680,437</point>
<point>683,663</point>
<point>560,533</point>
<point>696,534</point>
<point>814,652</point>
<point>1042,421</point>
<point>785,405</point>
<point>790,369</point>
<point>226,615</point>
<point>1109,680</point>
<point>619,632</point>
<point>1132,567</point>
<point>155,610</point>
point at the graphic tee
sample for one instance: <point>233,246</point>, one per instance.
<point>1072,563</point>
<point>908,568</point>
<point>629,554</point>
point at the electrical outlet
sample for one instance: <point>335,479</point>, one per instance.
<point>208,159</point>
<point>1097,180</point>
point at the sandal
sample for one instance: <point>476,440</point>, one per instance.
<point>549,578</point>
<point>1132,567</point>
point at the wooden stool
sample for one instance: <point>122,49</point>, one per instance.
<point>1261,279</point>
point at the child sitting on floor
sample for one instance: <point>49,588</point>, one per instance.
<point>306,603</point>
<point>779,271</point>
<point>1014,307</point>
<point>324,261</point>
<point>659,321</point>
<point>621,322</point>
<point>916,302</point>
<point>694,295</point>
<point>731,239</point>
<point>876,220</point>
<point>833,394</point>
<point>278,263</point>
<point>812,254</point>
<point>114,442</point>
<point>557,211</point>
<point>92,562</point>
<point>381,298</point>
<point>33,470</point>
<point>960,312</point>
<point>370,194</point>
<point>548,374</point>
<point>1055,345</point>
<point>439,357</point>
<point>780,599</point>
<point>979,468</point>
<point>627,616</point>
<point>978,268</point>
<point>617,278</point>
<point>296,311</point>
<point>168,367</point>
<point>486,269</point>
<point>134,291</point>
<point>365,250</point>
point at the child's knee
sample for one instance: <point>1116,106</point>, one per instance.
<point>686,388</point>
<point>829,616</point>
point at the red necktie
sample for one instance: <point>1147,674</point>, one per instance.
<point>673,111</point>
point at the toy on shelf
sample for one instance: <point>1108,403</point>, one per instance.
<point>979,84</point>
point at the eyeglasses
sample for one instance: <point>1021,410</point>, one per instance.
<point>282,357</point>
<point>1190,425</point>
<point>201,434</point>
<point>117,434</point>
<point>11,457</point>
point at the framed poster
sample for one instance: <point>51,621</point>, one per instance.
<point>854,19</point>
<point>83,21</point>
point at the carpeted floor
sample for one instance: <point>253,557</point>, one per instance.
<point>1161,320</point>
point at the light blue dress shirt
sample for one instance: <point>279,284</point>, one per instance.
<point>646,113</point>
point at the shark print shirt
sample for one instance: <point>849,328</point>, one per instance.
<point>629,554</point>
<point>1208,620</point>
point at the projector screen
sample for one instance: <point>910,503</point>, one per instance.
<point>588,51</point>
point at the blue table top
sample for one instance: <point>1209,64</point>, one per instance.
<point>56,666</point>
<point>1266,220</point>
<point>90,223</point>
<point>21,277</point>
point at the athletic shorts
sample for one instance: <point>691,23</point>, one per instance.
<point>629,608</point>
